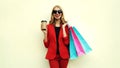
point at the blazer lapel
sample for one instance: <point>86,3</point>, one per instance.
<point>60,33</point>
<point>54,34</point>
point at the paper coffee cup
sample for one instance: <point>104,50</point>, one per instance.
<point>43,25</point>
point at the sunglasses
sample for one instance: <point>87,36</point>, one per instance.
<point>56,11</point>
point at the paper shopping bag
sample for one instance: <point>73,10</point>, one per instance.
<point>72,49</point>
<point>85,45</point>
<point>79,49</point>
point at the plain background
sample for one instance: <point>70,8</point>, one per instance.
<point>21,40</point>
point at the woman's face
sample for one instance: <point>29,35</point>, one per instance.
<point>57,13</point>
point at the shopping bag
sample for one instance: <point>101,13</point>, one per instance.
<point>72,49</point>
<point>85,45</point>
<point>79,49</point>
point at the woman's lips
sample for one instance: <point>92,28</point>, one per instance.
<point>57,15</point>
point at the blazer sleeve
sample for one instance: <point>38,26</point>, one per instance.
<point>66,39</point>
<point>46,42</point>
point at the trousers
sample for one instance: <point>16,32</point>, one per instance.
<point>58,62</point>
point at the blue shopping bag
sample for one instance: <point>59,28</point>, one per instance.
<point>79,49</point>
<point>72,49</point>
<point>85,45</point>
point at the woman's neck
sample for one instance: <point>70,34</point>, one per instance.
<point>57,23</point>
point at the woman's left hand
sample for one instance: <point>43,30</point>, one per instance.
<point>63,26</point>
<point>64,32</point>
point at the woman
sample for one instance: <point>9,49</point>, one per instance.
<point>56,39</point>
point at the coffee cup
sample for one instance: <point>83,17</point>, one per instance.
<point>43,25</point>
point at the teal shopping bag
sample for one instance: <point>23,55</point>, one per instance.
<point>72,49</point>
<point>79,49</point>
<point>85,45</point>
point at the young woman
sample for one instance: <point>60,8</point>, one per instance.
<point>56,39</point>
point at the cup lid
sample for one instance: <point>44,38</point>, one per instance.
<point>43,21</point>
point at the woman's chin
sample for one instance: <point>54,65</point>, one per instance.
<point>57,18</point>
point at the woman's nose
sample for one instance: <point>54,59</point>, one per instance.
<point>57,13</point>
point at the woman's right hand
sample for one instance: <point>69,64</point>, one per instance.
<point>44,31</point>
<point>45,34</point>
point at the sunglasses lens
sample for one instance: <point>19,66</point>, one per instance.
<point>56,11</point>
<point>59,11</point>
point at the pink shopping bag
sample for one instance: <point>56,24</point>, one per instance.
<point>72,49</point>
<point>84,43</point>
<point>79,49</point>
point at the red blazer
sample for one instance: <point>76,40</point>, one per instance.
<point>51,42</point>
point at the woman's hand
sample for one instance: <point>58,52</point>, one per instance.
<point>45,34</point>
<point>64,32</point>
<point>63,26</point>
<point>44,31</point>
